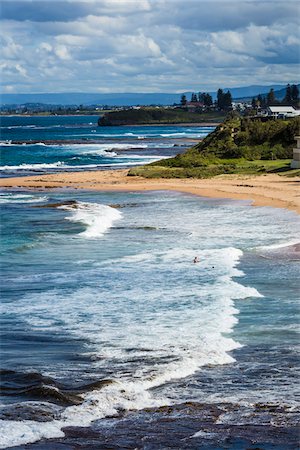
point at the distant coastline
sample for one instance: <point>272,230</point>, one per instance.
<point>50,115</point>
<point>159,116</point>
<point>179,124</point>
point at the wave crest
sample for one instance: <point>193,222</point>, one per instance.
<point>97,218</point>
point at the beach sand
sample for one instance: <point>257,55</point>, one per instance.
<point>263,190</point>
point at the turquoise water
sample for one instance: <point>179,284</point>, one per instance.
<point>31,145</point>
<point>105,313</point>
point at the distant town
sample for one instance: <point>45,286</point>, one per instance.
<point>281,103</point>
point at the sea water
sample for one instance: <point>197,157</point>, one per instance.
<point>104,309</point>
<point>31,145</point>
<point>107,324</point>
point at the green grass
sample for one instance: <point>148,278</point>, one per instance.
<point>237,146</point>
<point>211,168</point>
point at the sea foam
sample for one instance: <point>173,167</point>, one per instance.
<point>21,198</point>
<point>97,218</point>
<point>37,166</point>
<point>189,337</point>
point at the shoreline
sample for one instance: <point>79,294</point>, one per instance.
<point>262,190</point>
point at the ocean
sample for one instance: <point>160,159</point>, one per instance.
<point>32,145</point>
<point>111,336</point>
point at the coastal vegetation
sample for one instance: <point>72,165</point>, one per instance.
<point>291,98</point>
<point>209,168</point>
<point>156,115</point>
<point>201,108</point>
<point>239,145</point>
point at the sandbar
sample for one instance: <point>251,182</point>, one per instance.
<point>262,190</point>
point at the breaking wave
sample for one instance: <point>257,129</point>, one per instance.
<point>21,198</point>
<point>97,218</point>
<point>189,337</point>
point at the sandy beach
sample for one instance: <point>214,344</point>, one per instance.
<point>264,190</point>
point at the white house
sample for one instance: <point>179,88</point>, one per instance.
<point>295,164</point>
<point>280,112</point>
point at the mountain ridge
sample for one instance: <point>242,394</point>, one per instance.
<point>126,98</point>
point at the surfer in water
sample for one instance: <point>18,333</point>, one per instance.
<point>196,260</point>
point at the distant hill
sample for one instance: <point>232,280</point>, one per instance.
<point>279,94</point>
<point>73,98</point>
<point>251,91</point>
<point>124,99</point>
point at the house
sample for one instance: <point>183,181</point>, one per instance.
<point>193,106</point>
<point>295,164</point>
<point>239,106</point>
<point>282,112</point>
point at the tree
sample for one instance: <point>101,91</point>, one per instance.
<point>220,97</point>
<point>183,100</point>
<point>253,103</point>
<point>227,100</point>
<point>208,101</point>
<point>194,98</point>
<point>295,94</point>
<point>288,94</point>
<point>260,100</point>
<point>201,97</point>
<point>271,97</point>
<point>224,100</point>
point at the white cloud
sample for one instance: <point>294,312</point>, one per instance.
<point>62,52</point>
<point>256,41</point>
<point>151,45</point>
<point>72,40</point>
<point>8,89</point>
<point>12,69</point>
<point>45,46</point>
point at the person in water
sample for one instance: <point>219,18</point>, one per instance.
<point>196,260</point>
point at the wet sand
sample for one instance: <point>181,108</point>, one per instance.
<point>264,190</point>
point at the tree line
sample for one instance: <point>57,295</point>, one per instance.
<point>223,102</point>
<point>224,99</point>
<point>291,98</point>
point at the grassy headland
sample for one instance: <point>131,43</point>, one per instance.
<point>154,116</point>
<point>239,145</point>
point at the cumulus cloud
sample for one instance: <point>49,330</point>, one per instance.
<point>147,45</point>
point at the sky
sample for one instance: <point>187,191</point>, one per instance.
<point>147,45</point>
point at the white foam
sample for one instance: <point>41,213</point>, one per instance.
<point>97,405</point>
<point>20,126</point>
<point>29,144</point>
<point>37,166</point>
<point>62,165</point>
<point>181,330</point>
<point>204,434</point>
<point>97,218</point>
<point>26,431</point>
<point>99,149</point>
<point>21,198</point>
<point>100,152</point>
<point>280,245</point>
<point>184,135</point>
